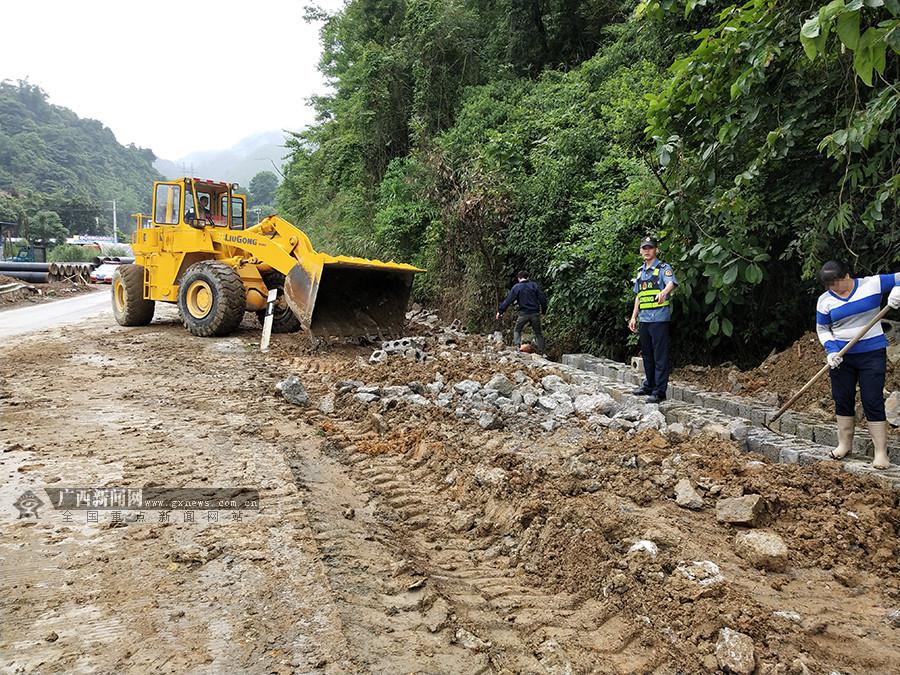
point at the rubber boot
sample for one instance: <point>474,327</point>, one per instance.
<point>878,431</point>
<point>845,427</point>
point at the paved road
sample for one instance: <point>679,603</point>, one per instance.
<point>32,318</point>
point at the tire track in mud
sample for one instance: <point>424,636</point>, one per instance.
<point>468,607</point>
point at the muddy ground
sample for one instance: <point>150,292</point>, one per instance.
<point>394,537</point>
<point>780,376</point>
<point>36,293</point>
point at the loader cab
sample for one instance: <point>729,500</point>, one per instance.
<point>198,203</point>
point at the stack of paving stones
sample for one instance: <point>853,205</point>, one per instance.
<point>796,439</point>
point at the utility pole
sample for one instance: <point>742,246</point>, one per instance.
<point>115,225</point>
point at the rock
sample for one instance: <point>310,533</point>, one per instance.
<point>564,409</point>
<point>436,617</point>
<point>735,653</point>
<point>644,546</point>
<point>653,420</point>
<point>417,387</point>
<point>632,414</point>
<point>892,408</point>
<point>675,431</point>
<point>378,356</point>
<point>893,618</point>
<point>686,496</point>
<point>462,522</point>
<point>489,421</point>
<point>554,383</point>
<point>326,405</point>
<point>471,641</point>
<point>349,513</point>
<point>747,510</point>
<point>434,388</point>
<point>467,387</point>
<point>739,430</point>
<point>293,391</point>
<point>529,399</point>
<point>444,400</point>
<point>548,403</point>
<point>493,476</point>
<point>788,615</point>
<point>417,399</point>
<point>53,637</point>
<point>765,550</point>
<point>365,398</point>
<point>500,383</point>
<point>548,425</point>
<point>717,430</point>
<point>702,578</point>
<point>497,337</point>
<point>594,404</point>
<point>348,385</point>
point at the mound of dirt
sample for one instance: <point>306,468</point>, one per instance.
<point>35,293</point>
<point>779,377</point>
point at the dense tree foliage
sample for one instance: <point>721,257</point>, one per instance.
<point>53,161</point>
<point>262,189</point>
<point>475,137</point>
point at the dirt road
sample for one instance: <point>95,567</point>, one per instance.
<point>397,533</point>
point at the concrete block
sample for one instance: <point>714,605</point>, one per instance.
<point>745,411</point>
<point>812,456</point>
<point>758,417</point>
<point>764,443</point>
<point>732,408</point>
<point>825,434</point>
<point>715,402</point>
<point>675,392</point>
<point>574,360</point>
<point>691,395</point>
<point>789,455</point>
<point>805,430</point>
<point>862,444</point>
<point>787,423</point>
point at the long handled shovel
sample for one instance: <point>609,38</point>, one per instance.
<point>826,367</point>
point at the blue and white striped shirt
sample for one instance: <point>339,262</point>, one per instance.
<point>838,319</point>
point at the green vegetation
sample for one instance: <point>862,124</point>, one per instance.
<point>474,138</point>
<point>263,187</point>
<point>58,172</point>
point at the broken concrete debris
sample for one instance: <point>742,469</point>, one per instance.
<point>762,549</point>
<point>293,391</point>
<point>735,652</point>
<point>686,496</point>
<point>747,510</point>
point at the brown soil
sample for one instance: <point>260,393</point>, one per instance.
<point>399,538</point>
<point>37,293</point>
<point>779,377</point>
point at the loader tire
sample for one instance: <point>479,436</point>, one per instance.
<point>283,318</point>
<point>211,298</point>
<point>129,306</point>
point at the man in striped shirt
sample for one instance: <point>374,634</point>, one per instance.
<point>842,311</point>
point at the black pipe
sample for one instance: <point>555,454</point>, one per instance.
<point>31,277</point>
<point>24,266</point>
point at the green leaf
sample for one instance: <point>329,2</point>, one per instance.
<point>873,3</point>
<point>840,137</point>
<point>730,275</point>
<point>809,48</point>
<point>893,6</point>
<point>879,59</point>
<point>848,29</point>
<point>853,5</point>
<point>727,327</point>
<point>810,29</point>
<point>831,10</point>
<point>714,326</point>
<point>863,65</point>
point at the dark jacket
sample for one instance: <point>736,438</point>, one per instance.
<point>528,295</point>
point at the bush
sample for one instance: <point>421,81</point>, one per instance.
<point>72,253</point>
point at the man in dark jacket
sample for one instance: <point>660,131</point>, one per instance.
<point>532,304</point>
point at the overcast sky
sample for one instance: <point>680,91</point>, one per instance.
<point>173,76</point>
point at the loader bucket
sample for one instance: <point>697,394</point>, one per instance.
<point>350,297</point>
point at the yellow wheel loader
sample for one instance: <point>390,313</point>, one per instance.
<point>195,250</point>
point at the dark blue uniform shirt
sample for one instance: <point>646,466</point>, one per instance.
<point>528,295</point>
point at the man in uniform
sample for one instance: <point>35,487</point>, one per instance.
<point>654,282</point>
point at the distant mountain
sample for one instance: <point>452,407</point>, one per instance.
<point>53,160</point>
<point>238,163</point>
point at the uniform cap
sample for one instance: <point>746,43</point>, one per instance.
<point>649,241</point>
